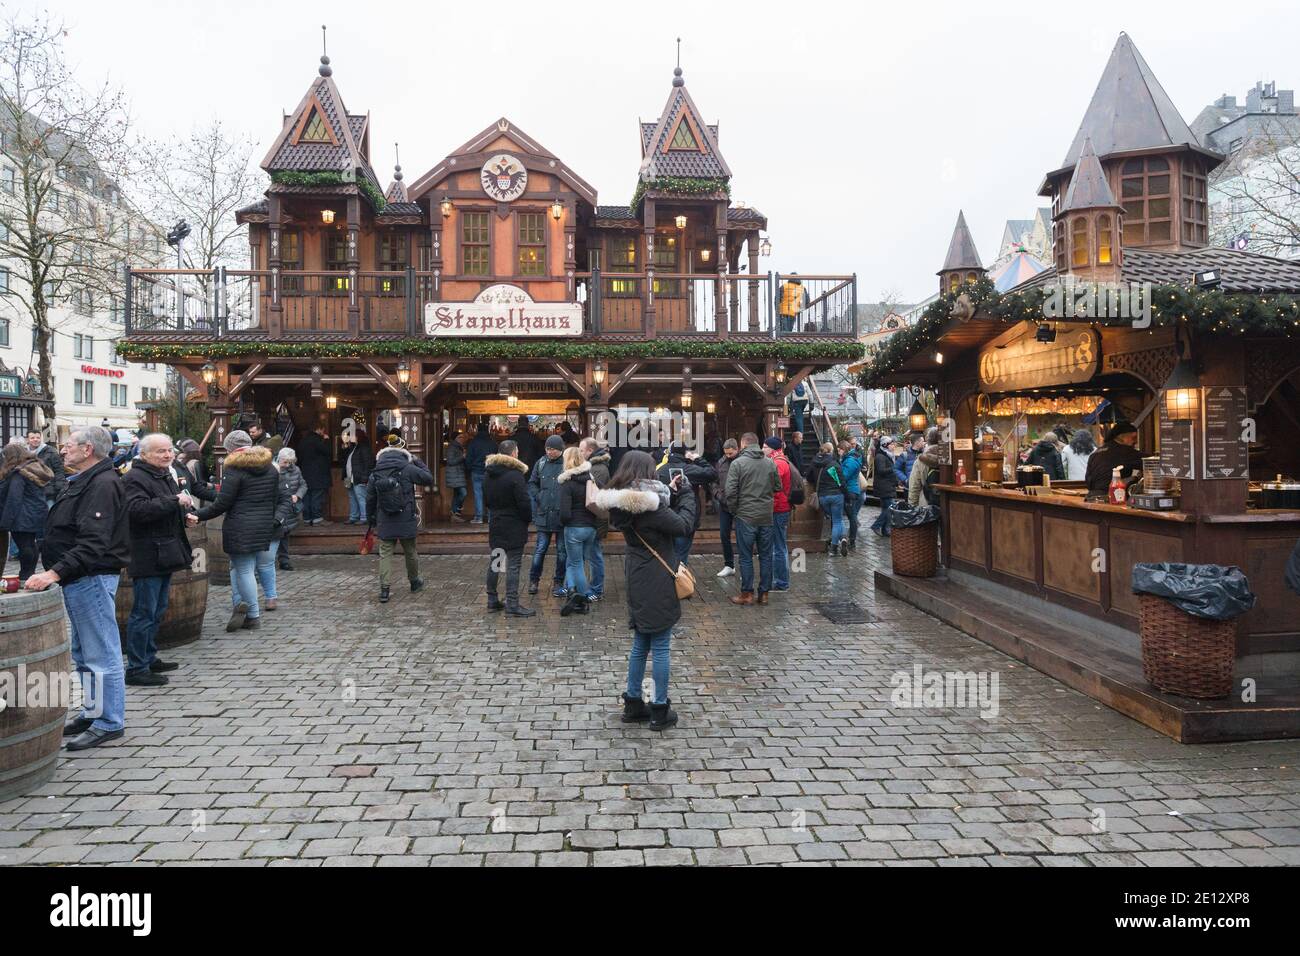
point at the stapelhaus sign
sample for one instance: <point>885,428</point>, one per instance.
<point>1024,362</point>
<point>503,311</point>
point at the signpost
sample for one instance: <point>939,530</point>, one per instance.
<point>1227,452</point>
<point>501,311</point>
<point>11,386</point>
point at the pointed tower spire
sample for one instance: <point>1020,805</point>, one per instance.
<point>397,190</point>
<point>963,261</point>
<point>677,72</point>
<point>324,58</point>
<point>1088,186</point>
<point>1090,222</point>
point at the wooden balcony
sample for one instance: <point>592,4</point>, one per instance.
<point>188,306</point>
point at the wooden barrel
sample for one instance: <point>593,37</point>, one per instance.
<point>218,560</point>
<point>187,599</point>
<point>34,670</point>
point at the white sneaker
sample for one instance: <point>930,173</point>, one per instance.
<point>726,571</point>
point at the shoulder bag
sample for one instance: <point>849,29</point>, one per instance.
<point>683,580</point>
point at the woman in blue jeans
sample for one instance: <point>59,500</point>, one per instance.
<point>579,525</point>
<point>251,497</point>
<point>827,477</point>
<point>650,514</point>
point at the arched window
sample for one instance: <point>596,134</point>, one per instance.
<point>971,276</point>
<point>954,282</point>
<point>1079,243</point>
<point>1103,241</point>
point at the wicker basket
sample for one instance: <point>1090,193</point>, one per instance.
<point>915,551</point>
<point>1184,654</point>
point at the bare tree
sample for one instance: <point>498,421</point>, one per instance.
<point>1258,188</point>
<point>203,178</point>
<point>65,227</point>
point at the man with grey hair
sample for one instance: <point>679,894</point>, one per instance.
<point>86,545</point>
<point>157,500</point>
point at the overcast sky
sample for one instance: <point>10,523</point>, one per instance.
<point>859,130</point>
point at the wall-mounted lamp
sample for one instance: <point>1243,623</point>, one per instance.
<point>327,216</point>
<point>557,210</point>
<point>512,400</point>
<point>403,373</point>
<point>917,419</point>
<point>445,206</point>
<point>779,373</point>
<point>711,407</point>
<point>938,358</point>
<point>681,222</point>
<point>765,247</point>
<point>331,402</point>
<point>598,373</point>
<point>209,373</point>
<point>1182,393</point>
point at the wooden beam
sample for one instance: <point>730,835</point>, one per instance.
<point>751,378</point>
<point>576,383</point>
<point>795,379</point>
<point>194,378</point>
<point>437,378</point>
<point>246,379</point>
<point>624,377</point>
<point>381,377</point>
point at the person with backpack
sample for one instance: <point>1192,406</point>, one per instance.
<point>579,529</point>
<point>650,515</point>
<point>850,469</point>
<point>781,509</point>
<point>510,509</point>
<point>599,457</point>
<point>390,504</point>
<point>543,486</point>
<point>752,484</point>
<point>827,480</point>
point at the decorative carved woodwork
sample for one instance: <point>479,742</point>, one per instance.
<point>1151,366</point>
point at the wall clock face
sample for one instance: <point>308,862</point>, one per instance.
<point>504,178</point>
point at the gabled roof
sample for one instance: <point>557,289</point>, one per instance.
<point>961,250</point>
<point>344,150</point>
<point>1130,111</point>
<point>1240,271</point>
<point>550,163</point>
<point>1088,186</point>
<point>397,190</point>
<point>659,159</point>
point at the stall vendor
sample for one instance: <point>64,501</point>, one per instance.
<point>1119,451</point>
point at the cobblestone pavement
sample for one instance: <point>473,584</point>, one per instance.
<point>428,732</point>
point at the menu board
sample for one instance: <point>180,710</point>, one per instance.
<point>944,452</point>
<point>1226,453</point>
<point>1177,449</point>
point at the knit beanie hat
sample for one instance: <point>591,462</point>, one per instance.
<point>236,440</point>
<point>556,442</point>
<point>774,443</point>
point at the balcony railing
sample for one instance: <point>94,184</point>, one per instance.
<point>294,304</point>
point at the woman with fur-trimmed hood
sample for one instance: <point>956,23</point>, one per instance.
<point>510,510</point>
<point>23,479</point>
<point>650,514</point>
<point>250,496</point>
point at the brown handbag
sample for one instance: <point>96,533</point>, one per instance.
<point>683,580</point>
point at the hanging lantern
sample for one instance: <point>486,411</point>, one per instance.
<point>765,247</point>
<point>704,254</point>
<point>512,400</point>
<point>917,419</point>
<point>598,372</point>
<point>404,372</point>
<point>779,374</point>
<point>445,205</point>
<point>686,398</point>
<point>681,222</point>
<point>1182,393</point>
<point>711,407</point>
<point>331,402</point>
<point>327,216</point>
<point>209,373</point>
<point>557,210</point>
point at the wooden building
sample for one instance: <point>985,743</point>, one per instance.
<point>1135,293</point>
<point>493,284</point>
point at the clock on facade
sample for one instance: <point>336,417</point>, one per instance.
<point>504,178</point>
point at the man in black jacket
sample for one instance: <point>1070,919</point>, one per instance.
<point>315,458</point>
<point>390,503</point>
<point>200,486</point>
<point>157,500</point>
<point>699,474</point>
<point>358,460</point>
<point>52,460</point>
<point>85,547</point>
<point>510,509</point>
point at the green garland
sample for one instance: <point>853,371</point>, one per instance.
<point>500,350</point>
<point>1212,312</point>
<point>289,177</point>
<point>685,185</point>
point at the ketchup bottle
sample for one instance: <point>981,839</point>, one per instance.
<point>1117,493</point>
<point>961,471</point>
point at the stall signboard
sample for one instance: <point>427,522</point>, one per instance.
<point>11,386</point>
<point>493,387</point>
<point>944,452</point>
<point>1226,421</point>
<point>1177,449</point>
<point>503,311</point>
<point>1024,362</point>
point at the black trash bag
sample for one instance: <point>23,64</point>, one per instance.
<point>903,516</point>
<point>1204,590</point>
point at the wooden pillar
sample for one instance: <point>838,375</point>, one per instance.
<point>354,264</point>
<point>647,294</point>
<point>570,222</point>
<point>720,297</point>
<point>437,232</point>
<point>219,408</point>
<point>751,246</point>
<point>275,314</point>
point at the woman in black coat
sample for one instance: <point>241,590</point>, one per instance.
<point>650,514</point>
<point>510,510</point>
<point>250,496</point>
<point>23,480</point>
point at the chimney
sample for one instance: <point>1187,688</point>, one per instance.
<point>1286,102</point>
<point>1253,100</point>
<point>1226,102</point>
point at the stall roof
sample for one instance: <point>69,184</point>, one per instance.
<point>1240,271</point>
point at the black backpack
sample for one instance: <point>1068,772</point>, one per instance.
<point>388,493</point>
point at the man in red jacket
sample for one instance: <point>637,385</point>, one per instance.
<point>780,515</point>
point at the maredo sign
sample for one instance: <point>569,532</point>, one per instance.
<point>106,372</point>
<point>500,311</point>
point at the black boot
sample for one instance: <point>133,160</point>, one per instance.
<point>417,585</point>
<point>517,610</point>
<point>662,716</point>
<point>383,595</point>
<point>493,604</point>
<point>634,710</point>
<point>574,605</point>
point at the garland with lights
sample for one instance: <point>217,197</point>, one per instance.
<point>1205,311</point>
<point>683,185</point>
<point>289,177</point>
<point>494,350</point>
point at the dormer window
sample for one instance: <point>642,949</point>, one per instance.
<point>316,131</point>
<point>684,138</point>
